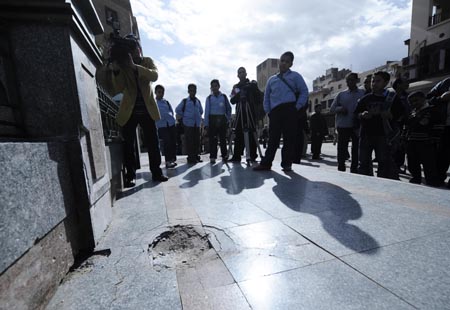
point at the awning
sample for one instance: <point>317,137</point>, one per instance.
<point>425,85</point>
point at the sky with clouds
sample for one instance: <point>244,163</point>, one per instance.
<point>195,41</point>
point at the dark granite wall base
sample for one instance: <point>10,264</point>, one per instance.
<point>31,282</point>
<point>36,195</point>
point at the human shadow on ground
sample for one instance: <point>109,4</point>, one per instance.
<point>333,205</point>
<point>238,179</point>
<point>148,183</point>
<point>207,171</point>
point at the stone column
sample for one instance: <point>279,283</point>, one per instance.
<point>55,189</point>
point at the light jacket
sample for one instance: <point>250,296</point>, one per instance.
<point>192,114</point>
<point>124,81</point>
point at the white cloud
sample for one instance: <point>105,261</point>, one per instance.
<point>198,40</point>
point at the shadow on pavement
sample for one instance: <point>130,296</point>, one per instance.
<point>239,179</point>
<point>333,205</point>
<point>149,183</point>
<point>205,172</point>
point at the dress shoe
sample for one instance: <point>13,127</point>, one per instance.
<point>160,178</point>
<point>213,160</point>
<point>170,165</point>
<point>287,168</point>
<point>129,183</point>
<point>262,168</point>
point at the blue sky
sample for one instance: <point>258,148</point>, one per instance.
<point>195,41</point>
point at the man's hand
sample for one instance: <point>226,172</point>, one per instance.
<point>130,62</point>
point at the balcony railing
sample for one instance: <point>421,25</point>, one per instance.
<point>108,110</point>
<point>438,18</point>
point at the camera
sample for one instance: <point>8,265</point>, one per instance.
<point>121,47</point>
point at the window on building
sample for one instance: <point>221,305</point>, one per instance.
<point>440,11</point>
<point>110,16</point>
<point>332,88</point>
<point>339,86</point>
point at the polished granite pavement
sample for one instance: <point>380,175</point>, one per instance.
<point>314,238</point>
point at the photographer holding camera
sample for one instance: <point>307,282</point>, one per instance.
<point>246,93</point>
<point>132,75</point>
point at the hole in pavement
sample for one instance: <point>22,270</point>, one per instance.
<point>180,247</point>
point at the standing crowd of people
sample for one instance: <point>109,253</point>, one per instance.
<point>394,125</point>
<point>390,124</point>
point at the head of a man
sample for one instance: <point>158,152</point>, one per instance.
<point>215,86</point>
<point>380,80</point>
<point>242,74</point>
<point>286,61</point>
<point>368,83</point>
<point>352,80</point>
<point>192,90</point>
<point>400,85</point>
<point>417,100</point>
<point>159,92</point>
<point>318,108</point>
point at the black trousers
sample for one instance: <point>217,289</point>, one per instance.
<point>443,154</point>
<point>151,141</point>
<point>169,138</point>
<point>192,140</point>
<point>316,143</point>
<point>344,137</point>
<point>422,153</point>
<point>282,121</point>
<point>243,123</point>
<point>299,139</point>
<point>218,125</point>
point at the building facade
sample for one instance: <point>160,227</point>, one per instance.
<point>428,59</point>
<point>326,87</point>
<point>265,70</point>
<point>117,18</point>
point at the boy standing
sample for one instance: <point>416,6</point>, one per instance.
<point>166,127</point>
<point>420,148</point>
<point>344,106</point>
<point>190,110</point>
<point>217,116</point>
<point>319,130</point>
<point>376,111</point>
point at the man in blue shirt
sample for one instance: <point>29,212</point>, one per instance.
<point>190,110</point>
<point>166,127</point>
<point>344,106</point>
<point>285,94</point>
<point>217,116</point>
